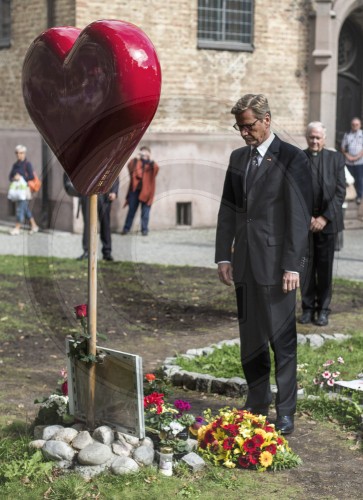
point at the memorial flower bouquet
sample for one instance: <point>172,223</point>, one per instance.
<point>328,374</point>
<point>55,408</point>
<point>237,438</point>
<point>167,422</point>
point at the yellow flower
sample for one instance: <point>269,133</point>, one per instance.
<point>229,464</point>
<point>239,440</point>
<point>266,458</point>
<point>245,432</point>
<point>261,432</point>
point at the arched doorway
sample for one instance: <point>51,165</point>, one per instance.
<point>350,76</point>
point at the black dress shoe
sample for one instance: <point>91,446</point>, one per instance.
<point>262,410</point>
<point>322,319</point>
<point>84,256</point>
<point>306,317</point>
<point>108,257</point>
<point>285,424</point>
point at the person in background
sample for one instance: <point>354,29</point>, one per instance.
<point>263,226</point>
<point>352,149</point>
<point>22,167</point>
<point>104,203</point>
<point>143,171</point>
<point>328,175</point>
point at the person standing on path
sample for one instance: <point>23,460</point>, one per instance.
<point>22,168</point>
<point>261,243</point>
<point>143,172</point>
<point>352,149</point>
<point>104,204</point>
<point>327,168</point>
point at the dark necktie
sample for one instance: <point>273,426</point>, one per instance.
<point>252,169</point>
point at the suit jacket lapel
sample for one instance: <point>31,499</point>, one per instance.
<point>268,161</point>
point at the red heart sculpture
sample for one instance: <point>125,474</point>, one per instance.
<point>92,94</point>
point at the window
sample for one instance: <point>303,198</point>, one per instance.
<point>184,214</point>
<point>225,24</point>
<point>5,23</point>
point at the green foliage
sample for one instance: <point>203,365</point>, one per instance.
<point>72,487</point>
<point>223,362</point>
<point>344,410</point>
<point>28,466</point>
<point>286,460</point>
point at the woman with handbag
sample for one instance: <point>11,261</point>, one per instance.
<point>22,168</point>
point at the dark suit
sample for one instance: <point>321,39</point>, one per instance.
<point>268,230</point>
<point>329,193</point>
<point>104,216</point>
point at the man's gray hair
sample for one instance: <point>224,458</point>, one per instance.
<point>258,103</point>
<point>312,125</point>
<point>20,149</point>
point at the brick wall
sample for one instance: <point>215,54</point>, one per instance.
<point>199,86</point>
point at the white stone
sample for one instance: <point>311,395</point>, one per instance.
<point>133,440</point>
<point>58,450</point>
<point>315,340</point>
<point>121,448</point>
<point>144,455</point>
<point>341,336</point>
<point>104,434</point>
<point>37,444</point>
<point>50,430</point>
<point>147,442</point>
<point>94,454</point>
<point>89,471</point>
<point>82,440</point>
<point>301,339</point>
<point>194,461</point>
<point>67,435</point>
<point>124,465</point>
<point>208,350</point>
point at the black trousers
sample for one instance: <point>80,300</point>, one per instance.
<point>267,317</point>
<point>104,217</point>
<point>316,290</point>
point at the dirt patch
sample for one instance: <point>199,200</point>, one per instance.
<point>157,312</point>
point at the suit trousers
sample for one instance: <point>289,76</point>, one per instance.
<point>267,318</point>
<point>104,217</point>
<point>316,291</point>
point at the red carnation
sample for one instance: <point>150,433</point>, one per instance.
<point>249,445</point>
<point>258,439</point>
<point>254,457</point>
<point>280,440</point>
<point>155,398</point>
<point>243,461</point>
<point>81,311</point>
<point>271,448</point>
<point>231,429</point>
<point>228,443</point>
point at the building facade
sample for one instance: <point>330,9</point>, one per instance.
<point>303,54</point>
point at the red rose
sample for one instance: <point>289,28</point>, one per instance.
<point>150,377</point>
<point>81,311</point>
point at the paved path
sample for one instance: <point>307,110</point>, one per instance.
<point>193,247</point>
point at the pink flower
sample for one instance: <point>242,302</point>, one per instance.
<point>330,382</point>
<point>335,374</point>
<point>328,362</point>
<point>182,405</point>
<point>340,360</point>
<point>326,374</point>
<point>316,381</point>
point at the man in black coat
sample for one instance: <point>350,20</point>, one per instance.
<point>261,244</point>
<point>328,176</point>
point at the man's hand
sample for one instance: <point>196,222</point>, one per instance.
<point>112,196</point>
<point>318,223</point>
<point>290,281</point>
<point>225,273</point>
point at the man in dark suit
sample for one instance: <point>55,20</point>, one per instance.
<point>261,243</point>
<point>328,177</point>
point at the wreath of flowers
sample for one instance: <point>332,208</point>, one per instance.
<point>237,438</point>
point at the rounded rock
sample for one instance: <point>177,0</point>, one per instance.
<point>94,454</point>
<point>124,465</point>
<point>58,451</point>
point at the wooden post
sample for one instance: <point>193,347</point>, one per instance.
<point>92,306</point>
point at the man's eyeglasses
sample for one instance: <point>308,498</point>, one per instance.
<point>247,126</point>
